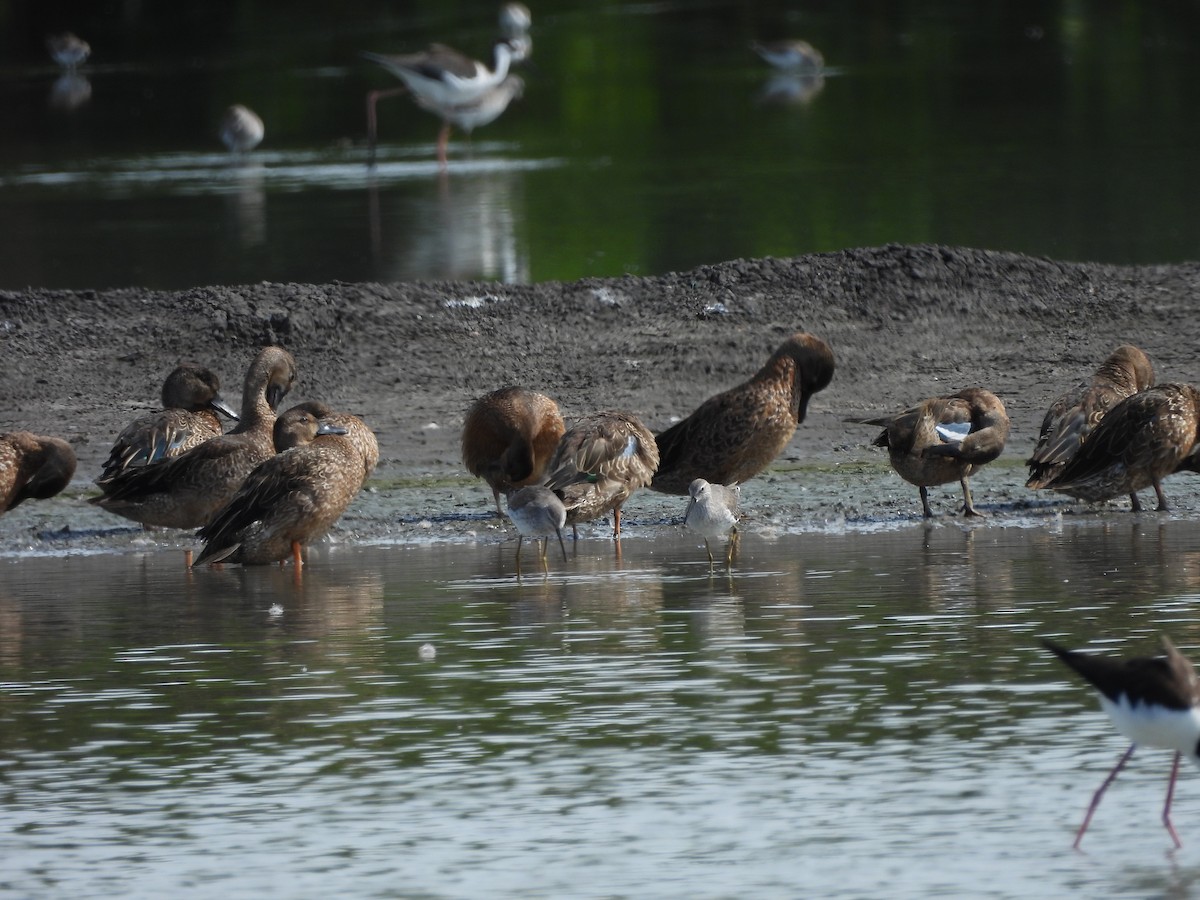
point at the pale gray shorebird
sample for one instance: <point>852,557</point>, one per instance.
<point>1151,700</point>
<point>790,54</point>
<point>1074,416</point>
<point>537,512</point>
<point>515,22</point>
<point>712,511</point>
<point>944,439</point>
<point>241,129</point>
<point>600,461</point>
<point>68,50</point>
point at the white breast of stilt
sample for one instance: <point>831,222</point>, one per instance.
<point>1156,726</point>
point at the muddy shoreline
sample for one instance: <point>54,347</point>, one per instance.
<point>905,322</point>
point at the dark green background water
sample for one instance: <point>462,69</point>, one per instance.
<point>642,143</point>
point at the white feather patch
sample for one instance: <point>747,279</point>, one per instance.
<point>953,432</point>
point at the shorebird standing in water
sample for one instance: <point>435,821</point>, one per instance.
<point>459,90</point>
<point>1152,701</point>
<point>712,511</point>
<point>68,50</point>
<point>538,513</point>
<point>241,129</point>
<point>791,55</point>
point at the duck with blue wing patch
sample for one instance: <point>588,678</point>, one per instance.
<point>944,439</point>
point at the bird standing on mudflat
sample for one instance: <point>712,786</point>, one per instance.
<point>1074,415</point>
<point>600,461</point>
<point>1152,701</point>
<point>191,399</point>
<point>944,439</point>
<point>1137,444</point>
<point>294,497</point>
<point>734,435</point>
<point>712,511</point>
<point>186,490</point>
<point>33,467</point>
<point>509,437</point>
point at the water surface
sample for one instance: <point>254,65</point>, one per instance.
<point>854,714</point>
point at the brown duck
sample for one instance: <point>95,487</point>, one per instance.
<point>1075,414</point>
<point>508,438</point>
<point>733,436</point>
<point>357,432</point>
<point>191,399</point>
<point>185,491</point>
<point>294,497</point>
<point>1137,444</point>
<point>600,461</point>
<point>32,467</point>
<point>945,439</point>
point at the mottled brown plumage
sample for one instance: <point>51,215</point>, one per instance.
<point>1137,444</point>
<point>185,491</point>
<point>32,467</point>
<point>293,498</point>
<point>600,461</point>
<point>191,399</point>
<point>509,437</point>
<point>734,435</point>
<point>945,439</point>
<point>1074,415</point>
<point>357,432</point>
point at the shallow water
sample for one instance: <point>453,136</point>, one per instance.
<point>649,139</point>
<point>843,714</point>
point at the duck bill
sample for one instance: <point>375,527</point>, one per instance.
<point>218,403</point>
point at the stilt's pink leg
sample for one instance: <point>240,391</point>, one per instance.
<point>1167,805</point>
<point>1100,793</point>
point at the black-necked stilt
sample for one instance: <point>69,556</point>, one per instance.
<point>1073,416</point>
<point>538,513</point>
<point>444,81</point>
<point>68,50</point>
<point>945,439</point>
<point>1151,700</point>
<point>241,129</point>
<point>712,511</point>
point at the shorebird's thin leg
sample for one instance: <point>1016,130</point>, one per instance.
<point>561,545</point>
<point>708,550</point>
<point>372,122</point>
<point>1167,805</point>
<point>1100,793</point>
<point>496,497</point>
<point>928,512</point>
<point>732,546</point>
<point>545,564</point>
<point>1162,501</point>
<point>520,538</point>
<point>443,141</point>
